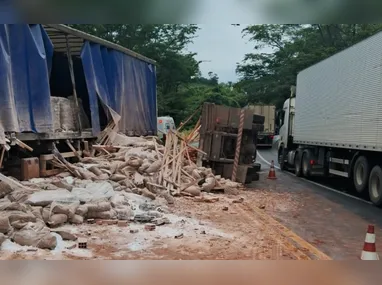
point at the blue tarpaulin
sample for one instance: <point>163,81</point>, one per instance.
<point>25,61</point>
<point>125,85</point>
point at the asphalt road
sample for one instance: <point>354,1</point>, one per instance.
<point>334,220</point>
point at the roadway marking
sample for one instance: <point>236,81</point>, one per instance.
<point>267,162</point>
<point>289,234</point>
<point>317,184</point>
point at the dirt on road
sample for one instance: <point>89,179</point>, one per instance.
<point>335,224</point>
<point>232,227</point>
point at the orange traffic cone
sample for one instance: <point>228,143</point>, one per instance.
<point>369,251</point>
<point>272,172</point>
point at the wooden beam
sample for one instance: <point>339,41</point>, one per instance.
<point>23,145</point>
<point>2,157</point>
<point>64,154</point>
<point>190,117</point>
<point>86,146</point>
<point>71,69</point>
<point>73,149</point>
<point>85,36</point>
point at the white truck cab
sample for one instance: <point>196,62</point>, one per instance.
<point>165,124</point>
<point>287,122</point>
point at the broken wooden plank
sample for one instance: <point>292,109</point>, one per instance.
<point>190,117</point>
<point>190,146</point>
<point>73,149</point>
<point>64,154</point>
<point>86,146</point>
<point>2,156</point>
<point>23,145</point>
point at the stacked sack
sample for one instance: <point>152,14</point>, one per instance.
<point>64,116</point>
<point>27,216</point>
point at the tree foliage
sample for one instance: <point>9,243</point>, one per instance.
<point>267,77</point>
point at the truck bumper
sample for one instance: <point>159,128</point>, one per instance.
<point>264,140</point>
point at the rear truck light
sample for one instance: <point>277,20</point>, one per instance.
<point>312,162</point>
<point>271,137</point>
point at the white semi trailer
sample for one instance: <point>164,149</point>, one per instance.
<point>333,123</point>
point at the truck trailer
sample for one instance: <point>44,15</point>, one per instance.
<point>265,137</point>
<point>332,124</point>
<point>218,139</point>
<point>59,87</point>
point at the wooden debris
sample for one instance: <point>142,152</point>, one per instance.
<point>73,149</point>
<point>23,145</point>
<point>2,156</point>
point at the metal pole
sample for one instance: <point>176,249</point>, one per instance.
<point>71,69</point>
<point>238,145</point>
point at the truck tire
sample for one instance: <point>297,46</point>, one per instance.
<point>306,164</point>
<point>375,186</point>
<point>255,177</point>
<point>297,165</point>
<point>361,173</point>
<point>257,167</point>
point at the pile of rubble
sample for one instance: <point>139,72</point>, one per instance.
<point>104,187</point>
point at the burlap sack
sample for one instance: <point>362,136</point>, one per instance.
<point>82,210</point>
<point>20,216</point>
<point>35,234</point>
<point>5,189</point>
<point>37,212</point>
<point>112,214</point>
<point>68,208</point>
<point>99,207</point>
<point>118,199</point>
<point>77,219</point>
<point>46,213</point>
<point>57,220</point>
<point>2,238</point>
<point>209,184</point>
<point>193,190</point>
<point>124,212</point>
<point>18,225</point>
<point>5,226</point>
<point>67,115</point>
<point>154,167</point>
<point>56,115</point>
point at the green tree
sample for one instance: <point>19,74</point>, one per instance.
<point>267,77</point>
<point>221,94</point>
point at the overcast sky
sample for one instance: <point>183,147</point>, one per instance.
<point>220,42</point>
<point>223,46</point>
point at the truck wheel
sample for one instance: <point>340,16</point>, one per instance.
<point>297,165</point>
<point>306,164</point>
<point>361,174</point>
<point>375,186</point>
<point>255,177</point>
<point>257,167</point>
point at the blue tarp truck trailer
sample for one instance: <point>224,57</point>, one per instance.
<point>41,63</point>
